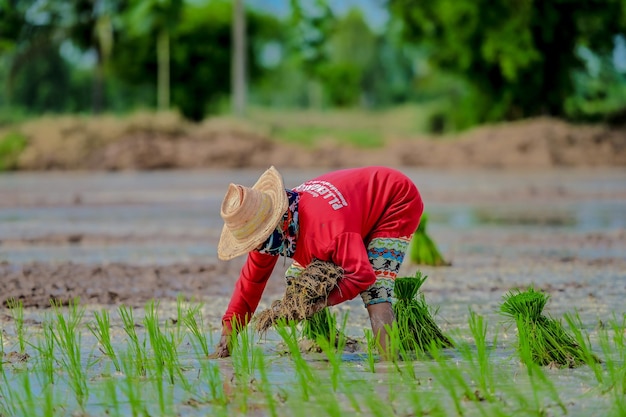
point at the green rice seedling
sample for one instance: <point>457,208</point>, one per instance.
<point>110,397</point>
<point>547,339</point>
<point>244,359</point>
<point>614,352</point>
<point>422,249</point>
<point>196,328</point>
<point>395,374</point>
<point>16,307</point>
<point>165,398</point>
<point>138,348</point>
<point>179,321</point>
<point>102,331</point>
<point>151,322</point>
<point>288,333</point>
<point>481,367</point>
<point>371,348</point>
<point>131,385</point>
<point>395,349</point>
<point>164,347</point>
<point>46,356</point>
<point>210,372</point>
<point>424,405</point>
<point>26,403</point>
<point>418,329</point>
<point>351,388</point>
<point>584,343</point>
<point>619,368</point>
<point>68,338</point>
<point>329,402</point>
<point>541,385</point>
<point>611,361</point>
<point>7,403</point>
<point>452,379</point>
<point>243,352</point>
<point>173,363</point>
<point>322,324</point>
<point>265,386</point>
<point>379,407</point>
<point>333,347</point>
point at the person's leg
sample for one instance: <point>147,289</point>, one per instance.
<point>386,256</point>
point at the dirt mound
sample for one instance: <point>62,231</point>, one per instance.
<point>166,141</point>
<point>536,143</point>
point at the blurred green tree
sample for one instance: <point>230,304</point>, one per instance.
<point>600,90</point>
<point>312,25</point>
<point>516,56</point>
<point>11,22</point>
<point>351,53</point>
<point>342,63</point>
<point>42,81</point>
<point>159,18</point>
<point>200,56</point>
<point>36,77</point>
<point>20,41</point>
<point>90,26</point>
<point>239,76</point>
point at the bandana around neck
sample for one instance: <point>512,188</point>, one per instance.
<point>283,239</point>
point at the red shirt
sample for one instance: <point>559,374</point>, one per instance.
<point>339,214</point>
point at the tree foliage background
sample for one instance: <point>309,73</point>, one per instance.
<point>476,60</point>
<point>518,57</point>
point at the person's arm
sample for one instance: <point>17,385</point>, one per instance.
<point>351,255</point>
<point>359,275</point>
<point>246,296</point>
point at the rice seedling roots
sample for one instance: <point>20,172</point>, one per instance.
<point>304,295</point>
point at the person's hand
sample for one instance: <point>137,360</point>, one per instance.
<point>382,318</point>
<point>222,350</point>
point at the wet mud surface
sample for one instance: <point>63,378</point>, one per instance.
<point>111,239</point>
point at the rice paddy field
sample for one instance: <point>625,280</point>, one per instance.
<point>129,262</point>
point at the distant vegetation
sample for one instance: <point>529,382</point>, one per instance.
<point>469,61</point>
<point>11,145</point>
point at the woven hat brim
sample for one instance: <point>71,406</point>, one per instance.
<point>271,183</point>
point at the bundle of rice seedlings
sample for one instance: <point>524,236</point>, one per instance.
<point>422,249</point>
<point>322,324</point>
<point>542,339</point>
<point>303,295</point>
<point>417,328</point>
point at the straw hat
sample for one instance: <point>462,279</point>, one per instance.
<point>251,214</point>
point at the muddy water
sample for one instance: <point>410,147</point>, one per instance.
<point>564,231</point>
<point>174,216</point>
<point>561,231</point>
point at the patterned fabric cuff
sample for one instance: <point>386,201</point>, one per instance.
<point>380,292</point>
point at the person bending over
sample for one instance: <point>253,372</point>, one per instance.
<point>360,219</point>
